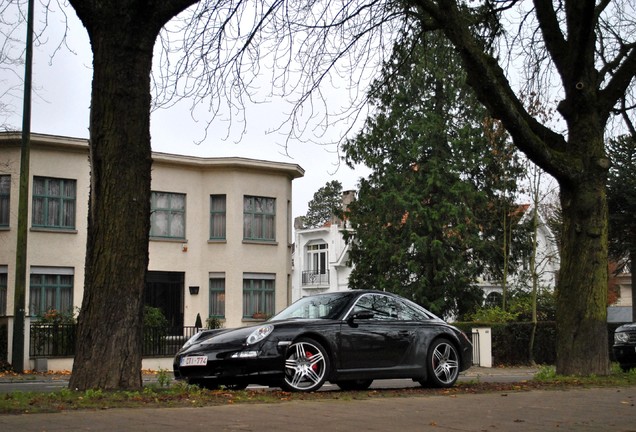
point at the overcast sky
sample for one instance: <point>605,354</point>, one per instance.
<point>61,102</point>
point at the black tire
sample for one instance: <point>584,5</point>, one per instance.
<point>307,366</point>
<point>354,384</point>
<point>442,363</point>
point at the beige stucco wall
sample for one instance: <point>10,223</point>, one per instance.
<point>61,158</point>
<point>196,257</point>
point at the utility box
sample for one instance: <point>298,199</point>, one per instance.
<point>484,346</point>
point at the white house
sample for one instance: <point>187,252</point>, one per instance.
<point>621,311</point>
<point>320,259</point>
<point>547,262</point>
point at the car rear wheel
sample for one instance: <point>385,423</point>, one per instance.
<point>442,364</point>
<point>360,384</point>
<point>306,366</point>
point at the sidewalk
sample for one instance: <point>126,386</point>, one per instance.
<point>580,410</point>
<point>473,373</point>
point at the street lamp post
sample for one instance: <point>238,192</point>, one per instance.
<point>19,295</point>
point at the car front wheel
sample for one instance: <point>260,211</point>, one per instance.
<point>443,364</point>
<point>306,366</point>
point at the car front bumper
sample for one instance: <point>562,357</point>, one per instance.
<point>264,365</point>
<point>625,354</point>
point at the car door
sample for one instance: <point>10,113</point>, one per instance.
<point>380,340</point>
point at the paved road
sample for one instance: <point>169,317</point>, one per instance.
<point>580,410</point>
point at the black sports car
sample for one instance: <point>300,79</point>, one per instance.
<point>348,338</point>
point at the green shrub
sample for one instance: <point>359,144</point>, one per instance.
<point>155,330</point>
<point>493,315</point>
<point>154,317</point>
<point>510,342</point>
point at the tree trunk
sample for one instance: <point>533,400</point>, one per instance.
<point>109,349</point>
<point>582,285</point>
<point>109,343</point>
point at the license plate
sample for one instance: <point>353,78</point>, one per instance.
<point>194,361</point>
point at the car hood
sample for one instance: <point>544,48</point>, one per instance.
<point>224,336</point>
<point>236,337</point>
<point>627,327</point>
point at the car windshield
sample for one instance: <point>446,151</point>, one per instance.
<point>328,306</point>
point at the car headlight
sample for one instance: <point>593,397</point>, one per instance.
<point>621,337</point>
<point>259,334</point>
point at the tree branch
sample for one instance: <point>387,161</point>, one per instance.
<point>541,144</point>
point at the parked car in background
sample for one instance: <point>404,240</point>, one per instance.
<point>625,346</point>
<point>348,338</point>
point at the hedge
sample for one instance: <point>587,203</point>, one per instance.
<point>510,341</point>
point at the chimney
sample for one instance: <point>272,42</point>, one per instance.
<point>347,198</point>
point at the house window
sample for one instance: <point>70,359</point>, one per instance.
<point>258,295</point>
<point>494,299</point>
<point>3,290</point>
<point>217,217</point>
<point>5,195</point>
<point>259,217</point>
<point>53,203</point>
<point>316,268</point>
<point>167,215</point>
<point>217,295</point>
<point>51,289</point>
<point>317,258</point>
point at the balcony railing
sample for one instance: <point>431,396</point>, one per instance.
<point>314,278</point>
<point>58,340</point>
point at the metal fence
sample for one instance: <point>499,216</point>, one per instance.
<point>313,277</point>
<point>58,340</point>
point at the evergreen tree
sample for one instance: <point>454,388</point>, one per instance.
<point>621,199</point>
<point>327,201</point>
<point>437,182</point>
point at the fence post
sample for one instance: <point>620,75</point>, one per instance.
<point>485,345</point>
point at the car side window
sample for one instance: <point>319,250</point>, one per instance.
<point>384,308</point>
<point>409,313</point>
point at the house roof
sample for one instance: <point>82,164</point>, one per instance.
<point>81,144</point>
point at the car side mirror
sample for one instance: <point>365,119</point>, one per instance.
<point>362,315</point>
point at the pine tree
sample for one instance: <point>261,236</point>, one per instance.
<point>436,183</point>
<point>621,199</point>
<point>326,202</point>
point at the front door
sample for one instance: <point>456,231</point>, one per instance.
<point>164,290</point>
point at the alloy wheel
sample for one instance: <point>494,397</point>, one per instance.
<point>306,366</point>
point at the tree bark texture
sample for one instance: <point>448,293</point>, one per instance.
<point>122,35</point>
<point>582,286</point>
